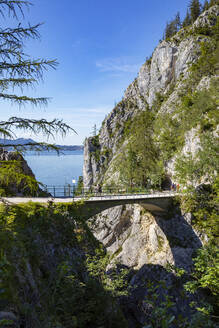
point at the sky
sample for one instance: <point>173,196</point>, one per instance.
<point>100,47</point>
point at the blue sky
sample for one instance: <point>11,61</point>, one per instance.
<point>100,46</point>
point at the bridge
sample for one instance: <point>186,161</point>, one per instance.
<point>155,202</point>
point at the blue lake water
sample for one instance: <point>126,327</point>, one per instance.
<point>51,169</point>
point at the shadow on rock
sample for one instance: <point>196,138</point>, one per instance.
<point>182,238</point>
<point>154,287</point>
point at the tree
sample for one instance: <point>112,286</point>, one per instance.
<point>213,2</point>
<point>18,70</point>
<point>172,27</point>
<point>167,32</point>
<point>187,21</point>
<point>206,5</point>
<point>177,21</point>
<point>139,160</point>
<point>94,130</point>
<point>128,166</point>
<point>195,9</point>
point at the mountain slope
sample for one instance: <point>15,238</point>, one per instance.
<point>178,68</point>
<point>164,131</point>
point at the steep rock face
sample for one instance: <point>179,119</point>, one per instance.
<point>147,244</point>
<point>90,167</point>
<point>165,73</point>
<point>10,156</point>
<point>208,17</point>
<point>14,156</point>
<point>192,145</point>
<point>169,60</point>
<point>133,237</point>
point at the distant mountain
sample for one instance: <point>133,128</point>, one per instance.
<point>20,141</point>
<point>23,141</point>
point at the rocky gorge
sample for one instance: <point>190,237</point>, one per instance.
<point>128,267</point>
<point>134,238</point>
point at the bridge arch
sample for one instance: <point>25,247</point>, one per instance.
<point>155,205</point>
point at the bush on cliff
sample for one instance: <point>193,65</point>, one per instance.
<point>45,276</point>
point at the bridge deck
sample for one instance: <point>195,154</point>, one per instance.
<point>96,198</point>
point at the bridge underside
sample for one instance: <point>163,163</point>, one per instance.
<point>155,205</point>
<point>90,207</point>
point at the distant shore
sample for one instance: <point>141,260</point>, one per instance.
<point>22,142</point>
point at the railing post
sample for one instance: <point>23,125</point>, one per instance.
<point>54,191</point>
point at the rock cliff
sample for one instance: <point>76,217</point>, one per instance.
<point>166,73</point>
<point>18,188</point>
<point>133,237</point>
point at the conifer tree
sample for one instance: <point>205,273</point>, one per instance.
<point>195,9</point>
<point>178,21</point>
<point>167,32</point>
<point>213,2</point>
<point>206,5</point>
<point>18,70</point>
<point>187,21</point>
<point>172,27</point>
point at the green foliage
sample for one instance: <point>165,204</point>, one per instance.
<point>213,2</point>
<point>52,270</point>
<point>199,110</point>
<point>202,203</point>
<point>172,27</point>
<point>148,60</point>
<point>205,5</point>
<point>206,271</point>
<point>204,277</point>
<point>80,185</point>
<point>168,135</point>
<point>96,151</point>
<point>19,71</point>
<point>95,141</point>
<point>106,152</point>
<point>154,138</point>
<point>187,21</point>
<point>207,63</point>
<point>116,281</point>
<point>139,163</point>
<point>160,316</point>
<point>6,323</point>
<point>195,9</point>
<point>13,179</point>
<point>162,307</point>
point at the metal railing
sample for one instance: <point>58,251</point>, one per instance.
<point>58,191</point>
<point>68,191</point>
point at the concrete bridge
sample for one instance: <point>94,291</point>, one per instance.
<point>157,202</point>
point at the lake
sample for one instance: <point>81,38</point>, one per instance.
<point>51,169</point>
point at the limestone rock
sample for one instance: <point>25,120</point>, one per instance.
<point>90,167</point>
<point>166,73</point>
<point>208,17</point>
<point>14,156</point>
<point>134,237</point>
<point>11,155</point>
<point>146,244</point>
